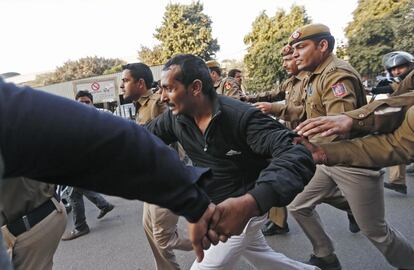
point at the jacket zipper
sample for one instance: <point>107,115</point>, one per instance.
<point>207,131</point>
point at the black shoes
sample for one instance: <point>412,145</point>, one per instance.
<point>329,262</point>
<point>105,211</point>
<point>269,228</point>
<point>353,225</point>
<point>401,188</point>
<point>75,234</point>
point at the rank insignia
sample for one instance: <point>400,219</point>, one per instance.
<point>295,35</point>
<point>339,90</point>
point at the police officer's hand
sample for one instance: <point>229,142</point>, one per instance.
<point>326,125</point>
<point>199,232</point>
<point>264,106</point>
<point>318,154</point>
<point>235,213</point>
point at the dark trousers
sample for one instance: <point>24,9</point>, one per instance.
<point>78,205</point>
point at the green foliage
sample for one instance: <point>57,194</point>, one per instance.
<point>151,57</point>
<point>185,29</point>
<point>267,37</point>
<point>367,48</point>
<point>379,26</point>
<point>368,10</point>
<point>79,69</point>
<point>402,21</point>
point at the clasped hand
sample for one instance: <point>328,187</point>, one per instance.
<point>220,222</point>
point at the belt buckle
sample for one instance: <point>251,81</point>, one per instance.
<point>26,222</point>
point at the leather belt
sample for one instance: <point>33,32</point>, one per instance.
<point>28,221</point>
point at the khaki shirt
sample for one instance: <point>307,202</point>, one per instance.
<point>229,87</point>
<point>375,150</point>
<point>148,106</point>
<point>270,96</point>
<point>293,110</point>
<point>377,117</point>
<point>333,88</point>
<point>19,196</point>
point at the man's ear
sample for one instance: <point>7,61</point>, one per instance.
<point>324,44</point>
<point>197,87</point>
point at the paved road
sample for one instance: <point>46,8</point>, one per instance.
<point>118,242</point>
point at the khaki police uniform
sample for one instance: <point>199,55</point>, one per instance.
<point>293,110</point>
<point>376,150</point>
<point>335,87</point>
<point>160,224</point>
<point>33,222</point>
<point>397,173</point>
<point>229,87</point>
<point>148,107</point>
<point>274,95</point>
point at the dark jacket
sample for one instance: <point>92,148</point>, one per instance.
<point>53,139</point>
<point>246,150</point>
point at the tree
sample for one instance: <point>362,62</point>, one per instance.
<point>267,37</point>
<point>151,57</point>
<point>368,10</point>
<point>379,26</point>
<point>402,21</point>
<point>185,29</point>
<point>369,45</point>
<point>79,69</point>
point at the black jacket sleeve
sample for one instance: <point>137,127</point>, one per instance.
<point>53,139</point>
<point>162,127</point>
<point>291,166</point>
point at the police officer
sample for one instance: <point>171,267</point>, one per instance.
<point>335,87</point>
<point>293,112</point>
<point>160,224</point>
<point>224,85</point>
<point>33,223</point>
<point>399,65</point>
<point>390,117</point>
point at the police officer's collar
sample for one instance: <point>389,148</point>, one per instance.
<point>144,98</point>
<point>321,67</point>
<point>301,75</point>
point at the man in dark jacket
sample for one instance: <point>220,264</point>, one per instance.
<point>53,139</point>
<point>236,141</point>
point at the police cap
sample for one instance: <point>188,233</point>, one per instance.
<point>286,50</point>
<point>212,64</point>
<point>309,31</point>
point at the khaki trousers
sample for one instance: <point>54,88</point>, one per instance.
<point>278,215</point>
<point>35,248</point>
<point>397,174</point>
<point>364,191</point>
<point>160,225</point>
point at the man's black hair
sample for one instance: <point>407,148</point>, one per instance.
<point>83,93</point>
<point>329,38</point>
<point>216,69</point>
<point>192,68</point>
<point>140,71</point>
<point>232,73</point>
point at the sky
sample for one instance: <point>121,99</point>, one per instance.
<point>40,35</point>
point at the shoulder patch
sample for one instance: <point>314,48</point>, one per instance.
<point>339,90</point>
<point>227,85</point>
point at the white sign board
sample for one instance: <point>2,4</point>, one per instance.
<point>102,91</point>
